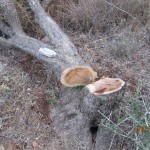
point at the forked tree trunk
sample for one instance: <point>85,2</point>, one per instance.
<point>78,120</point>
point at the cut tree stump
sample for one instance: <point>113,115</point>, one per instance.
<point>77,120</point>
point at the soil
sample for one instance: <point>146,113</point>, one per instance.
<point>24,109</point>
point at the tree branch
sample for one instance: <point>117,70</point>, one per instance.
<point>66,51</point>
<point>5,29</point>
<point>8,7</point>
<point>52,30</point>
<point>33,46</point>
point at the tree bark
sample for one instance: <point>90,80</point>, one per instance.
<point>8,7</point>
<point>64,48</point>
<point>77,121</point>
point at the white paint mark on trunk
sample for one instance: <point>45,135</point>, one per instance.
<point>47,52</point>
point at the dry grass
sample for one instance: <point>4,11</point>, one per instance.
<point>98,15</point>
<point>24,107</point>
<point>27,20</point>
<point>134,124</point>
<point>87,15</point>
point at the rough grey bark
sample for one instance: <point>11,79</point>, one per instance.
<point>8,7</point>
<point>6,30</point>
<point>78,115</point>
<point>32,46</point>
<point>63,47</point>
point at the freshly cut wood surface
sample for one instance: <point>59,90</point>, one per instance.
<point>76,76</point>
<point>106,86</point>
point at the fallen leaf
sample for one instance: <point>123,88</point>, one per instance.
<point>35,144</point>
<point>2,147</point>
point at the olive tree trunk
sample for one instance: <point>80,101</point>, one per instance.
<point>78,121</point>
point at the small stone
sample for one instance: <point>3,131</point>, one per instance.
<point>29,89</point>
<point>12,146</point>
